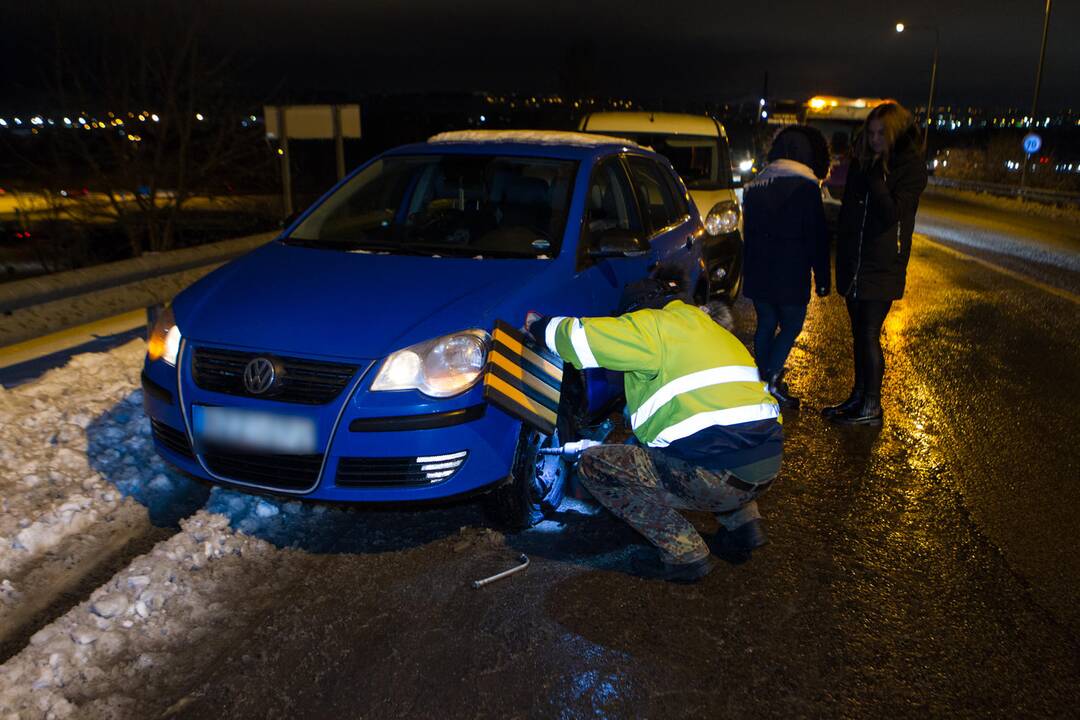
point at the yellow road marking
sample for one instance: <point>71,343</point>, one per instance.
<point>1073,297</point>
<point>521,398</point>
<point>69,338</point>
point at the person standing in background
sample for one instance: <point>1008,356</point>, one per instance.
<point>877,220</point>
<point>786,237</point>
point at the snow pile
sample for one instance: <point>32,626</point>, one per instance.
<point>163,604</point>
<point>49,489</point>
<point>531,137</point>
<point>74,446</point>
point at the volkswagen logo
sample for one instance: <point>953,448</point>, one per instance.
<point>259,376</point>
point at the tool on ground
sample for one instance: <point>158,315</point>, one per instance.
<point>570,449</point>
<point>523,378</point>
<point>523,563</point>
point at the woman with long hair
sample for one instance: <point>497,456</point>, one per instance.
<point>877,219</point>
<point>786,238</point>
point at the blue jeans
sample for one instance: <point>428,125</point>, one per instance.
<point>771,348</point>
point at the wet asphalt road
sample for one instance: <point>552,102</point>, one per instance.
<point>926,569</point>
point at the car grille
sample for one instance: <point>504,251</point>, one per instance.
<point>302,381</point>
<point>282,472</point>
<point>171,439</point>
<point>389,471</point>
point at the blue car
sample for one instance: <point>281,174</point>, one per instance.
<point>343,361</point>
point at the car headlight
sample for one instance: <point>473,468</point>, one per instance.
<point>723,218</point>
<point>442,367</point>
<point>164,342</point>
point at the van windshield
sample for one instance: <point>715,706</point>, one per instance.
<point>482,206</point>
<point>697,158</point>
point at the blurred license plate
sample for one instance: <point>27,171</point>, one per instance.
<point>253,430</point>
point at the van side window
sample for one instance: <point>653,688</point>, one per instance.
<point>654,195</point>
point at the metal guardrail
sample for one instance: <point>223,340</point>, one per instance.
<point>1053,197</point>
<point>71,283</point>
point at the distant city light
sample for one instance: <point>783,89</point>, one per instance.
<point>3,122</point>
<point>764,114</point>
<point>199,117</point>
<point>18,121</point>
<point>154,117</point>
<point>899,27</point>
<point>746,166</point>
<point>483,118</point>
<point>280,151</point>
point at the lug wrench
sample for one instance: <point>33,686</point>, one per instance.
<point>524,563</point>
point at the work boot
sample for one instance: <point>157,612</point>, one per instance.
<point>735,546</point>
<point>868,412</point>
<point>649,565</point>
<point>749,536</point>
<point>853,401</point>
<point>778,389</point>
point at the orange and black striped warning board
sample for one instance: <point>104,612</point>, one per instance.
<point>523,378</point>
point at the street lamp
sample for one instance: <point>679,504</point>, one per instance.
<point>901,27</point>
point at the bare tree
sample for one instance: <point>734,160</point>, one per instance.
<point>156,125</point>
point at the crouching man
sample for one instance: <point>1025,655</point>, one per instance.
<point>708,432</point>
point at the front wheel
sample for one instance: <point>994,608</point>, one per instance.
<point>537,484</point>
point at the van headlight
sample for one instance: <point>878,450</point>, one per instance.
<point>723,218</point>
<point>446,366</point>
<point>164,340</point>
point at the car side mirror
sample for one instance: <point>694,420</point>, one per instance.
<point>616,242</point>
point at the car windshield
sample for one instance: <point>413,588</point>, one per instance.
<point>447,205</point>
<point>697,158</point>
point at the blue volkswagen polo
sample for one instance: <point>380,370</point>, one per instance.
<point>342,361</point>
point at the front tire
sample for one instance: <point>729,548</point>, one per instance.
<point>536,486</point>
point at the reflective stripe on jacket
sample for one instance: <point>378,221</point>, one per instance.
<point>684,373</point>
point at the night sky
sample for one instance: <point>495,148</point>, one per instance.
<point>709,50</point>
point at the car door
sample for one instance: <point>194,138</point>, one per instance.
<point>672,234</point>
<point>610,205</point>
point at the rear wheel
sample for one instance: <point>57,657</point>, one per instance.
<point>536,485</point>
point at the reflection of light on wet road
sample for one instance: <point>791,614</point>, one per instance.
<point>600,688</point>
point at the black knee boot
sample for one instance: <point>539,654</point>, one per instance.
<point>868,412</point>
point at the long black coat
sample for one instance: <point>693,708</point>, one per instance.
<point>785,235</point>
<point>877,219</point>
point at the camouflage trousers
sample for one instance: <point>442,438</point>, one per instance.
<point>646,488</point>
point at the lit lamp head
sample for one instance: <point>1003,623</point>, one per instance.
<point>899,27</point>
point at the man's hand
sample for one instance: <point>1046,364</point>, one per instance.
<point>535,324</point>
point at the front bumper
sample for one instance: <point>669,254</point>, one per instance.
<point>374,447</point>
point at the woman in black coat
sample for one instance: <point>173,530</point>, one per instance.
<point>786,237</point>
<point>877,219</point>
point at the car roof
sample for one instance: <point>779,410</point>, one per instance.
<point>539,143</point>
<point>649,122</point>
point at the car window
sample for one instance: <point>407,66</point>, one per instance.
<point>654,195</point>
<point>608,204</point>
<point>455,204</point>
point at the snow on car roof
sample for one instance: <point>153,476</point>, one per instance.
<point>530,137</point>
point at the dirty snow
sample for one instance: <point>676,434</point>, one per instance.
<point>101,658</point>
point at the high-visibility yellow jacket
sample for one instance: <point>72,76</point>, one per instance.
<point>685,374</point>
